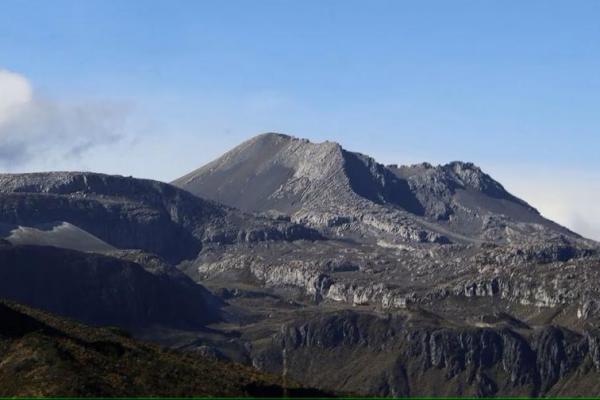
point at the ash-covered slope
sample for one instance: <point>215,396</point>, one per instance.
<point>328,187</point>
<point>130,213</point>
<point>282,173</point>
<point>63,235</point>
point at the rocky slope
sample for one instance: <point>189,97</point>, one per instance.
<point>326,186</point>
<point>319,312</point>
<point>384,278</point>
<point>130,213</point>
<point>43,355</point>
<point>457,322</point>
<point>449,285</point>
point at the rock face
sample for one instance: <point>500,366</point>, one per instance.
<point>407,359</point>
<point>103,290</point>
<point>521,279</point>
<point>130,213</point>
<point>473,319</point>
<point>325,186</point>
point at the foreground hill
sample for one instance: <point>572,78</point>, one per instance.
<point>43,355</point>
<point>328,187</point>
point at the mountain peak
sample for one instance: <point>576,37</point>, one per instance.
<point>321,183</point>
<point>272,136</point>
<point>284,137</point>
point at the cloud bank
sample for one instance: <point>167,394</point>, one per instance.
<point>15,92</point>
<point>43,131</point>
<point>567,196</point>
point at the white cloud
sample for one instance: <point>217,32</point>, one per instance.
<point>569,197</point>
<point>46,132</point>
<point>15,93</point>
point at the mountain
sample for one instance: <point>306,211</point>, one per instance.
<point>45,355</point>
<point>129,213</point>
<point>436,277</point>
<point>328,187</point>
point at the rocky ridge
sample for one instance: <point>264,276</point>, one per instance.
<point>351,195</point>
<point>130,213</point>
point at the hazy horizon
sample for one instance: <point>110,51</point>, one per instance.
<point>157,89</point>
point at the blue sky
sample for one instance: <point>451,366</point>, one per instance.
<point>157,88</point>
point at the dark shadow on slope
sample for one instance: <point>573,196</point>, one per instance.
<point>103,290</point>
<point>374,182</point>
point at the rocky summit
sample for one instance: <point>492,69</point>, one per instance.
<point>319,266</point>
<point>350,194</point>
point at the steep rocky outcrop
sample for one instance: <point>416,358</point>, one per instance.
<point>405,358</point>
<point>427,320</point>
<point>436,187</point>
<point>550,275</point>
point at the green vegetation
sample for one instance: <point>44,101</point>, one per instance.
<point>44,355</point>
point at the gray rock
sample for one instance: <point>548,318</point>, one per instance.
<point>350,194</point>
<point>133,213</point>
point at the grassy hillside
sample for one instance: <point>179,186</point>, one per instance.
<point>44,355</point>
